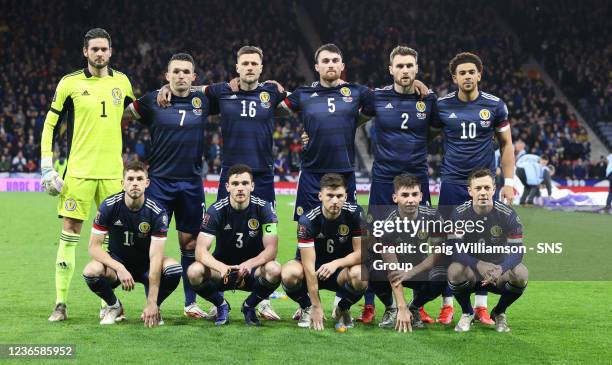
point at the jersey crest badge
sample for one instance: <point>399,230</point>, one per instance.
<point>253,223</point>
<point>345,91</point>
<point>196,102</point>
<point>484,114</point>
<point>420,106</point>
<point>496,231</point>
<point>117,96</point>
<point>144,227</point>
<point>343,229</point>
<point>70,204</point>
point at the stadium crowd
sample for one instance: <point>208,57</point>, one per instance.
<point>538,118</point>
<point>36,55</point>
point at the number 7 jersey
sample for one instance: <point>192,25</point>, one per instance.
<point>469,128</point>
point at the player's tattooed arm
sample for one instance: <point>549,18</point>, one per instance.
<point>99,254</point>
<point>150,314</point>
<point>203,255</point>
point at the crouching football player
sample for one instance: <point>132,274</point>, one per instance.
<point>137,229</point>
<point>425,273</point>
<point>489,259</point>
<point>246,244</point>
<point>329,256</point>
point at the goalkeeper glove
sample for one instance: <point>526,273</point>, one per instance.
<point>51,181</point>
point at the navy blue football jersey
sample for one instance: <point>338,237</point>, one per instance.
<point>468,129</point>
<point>332,239</point>
<point>177,134</point>
<point>330,116</point>
<point>430,229</point>
<point>238,233</point>
<point>129,231</point>
<point>247,124</point>
<point>500,227</point>
<point>401,129</point>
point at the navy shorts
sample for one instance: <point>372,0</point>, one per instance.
<point>264,186</point>
<point>331,283</point>
<point>309,185</point>
<point>139,270</point>
<point>451,195</point>
<point>231,282</point>
<point>183,198</point>
<point>381,198</point>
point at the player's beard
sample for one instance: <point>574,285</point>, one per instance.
<point>97,65</point>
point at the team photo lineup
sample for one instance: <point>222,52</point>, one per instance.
<point>410,202</point>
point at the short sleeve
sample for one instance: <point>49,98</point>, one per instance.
<point>142,108</point>
<point>514,228</point>
<point>501,117</point>
<point>358,223</point>
<point>102,220</point>
<point>305,234</point>
<point>210,221</point>
<point>367,101</point>
<point>160,225</point>
<point>293,101</point>
<point>214,91</point>
<point>268,214</point>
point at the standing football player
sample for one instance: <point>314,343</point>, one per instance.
<point>91,101</point>
<point>177,147</point>
<point>469,119</point>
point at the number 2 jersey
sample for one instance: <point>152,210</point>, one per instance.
<point>130,232</point>
<point>238,233</point>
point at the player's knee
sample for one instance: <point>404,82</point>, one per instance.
<point>187,241</point>
<point>355,278</point>
<point>72,225</point>
<point>195,273</point>
<point>519,275</point>
<point>291,274</point>
<point>273,272</point>
<point>93,268</point>
<point>456,272</point>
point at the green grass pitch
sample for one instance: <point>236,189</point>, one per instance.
<point>554,322</point>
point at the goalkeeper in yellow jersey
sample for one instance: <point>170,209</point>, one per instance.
<point>91,101</point>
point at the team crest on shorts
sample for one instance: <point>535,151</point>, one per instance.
<point>484,114</point>
<point>420,106</point>
<point>343,229</point>
<point>299,210</point>
<point>370,218</point>
<point>496,231</point>
<point>144,227</point>
<point>70,204</point>
<point>117,96</point>
<point>165,220</point>
<point>196,102</point>
<point>422,235</point>
<point>253,223</point>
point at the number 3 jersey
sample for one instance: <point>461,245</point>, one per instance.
<point>469,128</point>
<point>130,232</point>
<point>331,239</point>
<point>177,134</point>
<point>239,233</point>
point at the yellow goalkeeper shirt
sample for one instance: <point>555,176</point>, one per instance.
<point>92,108</point>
